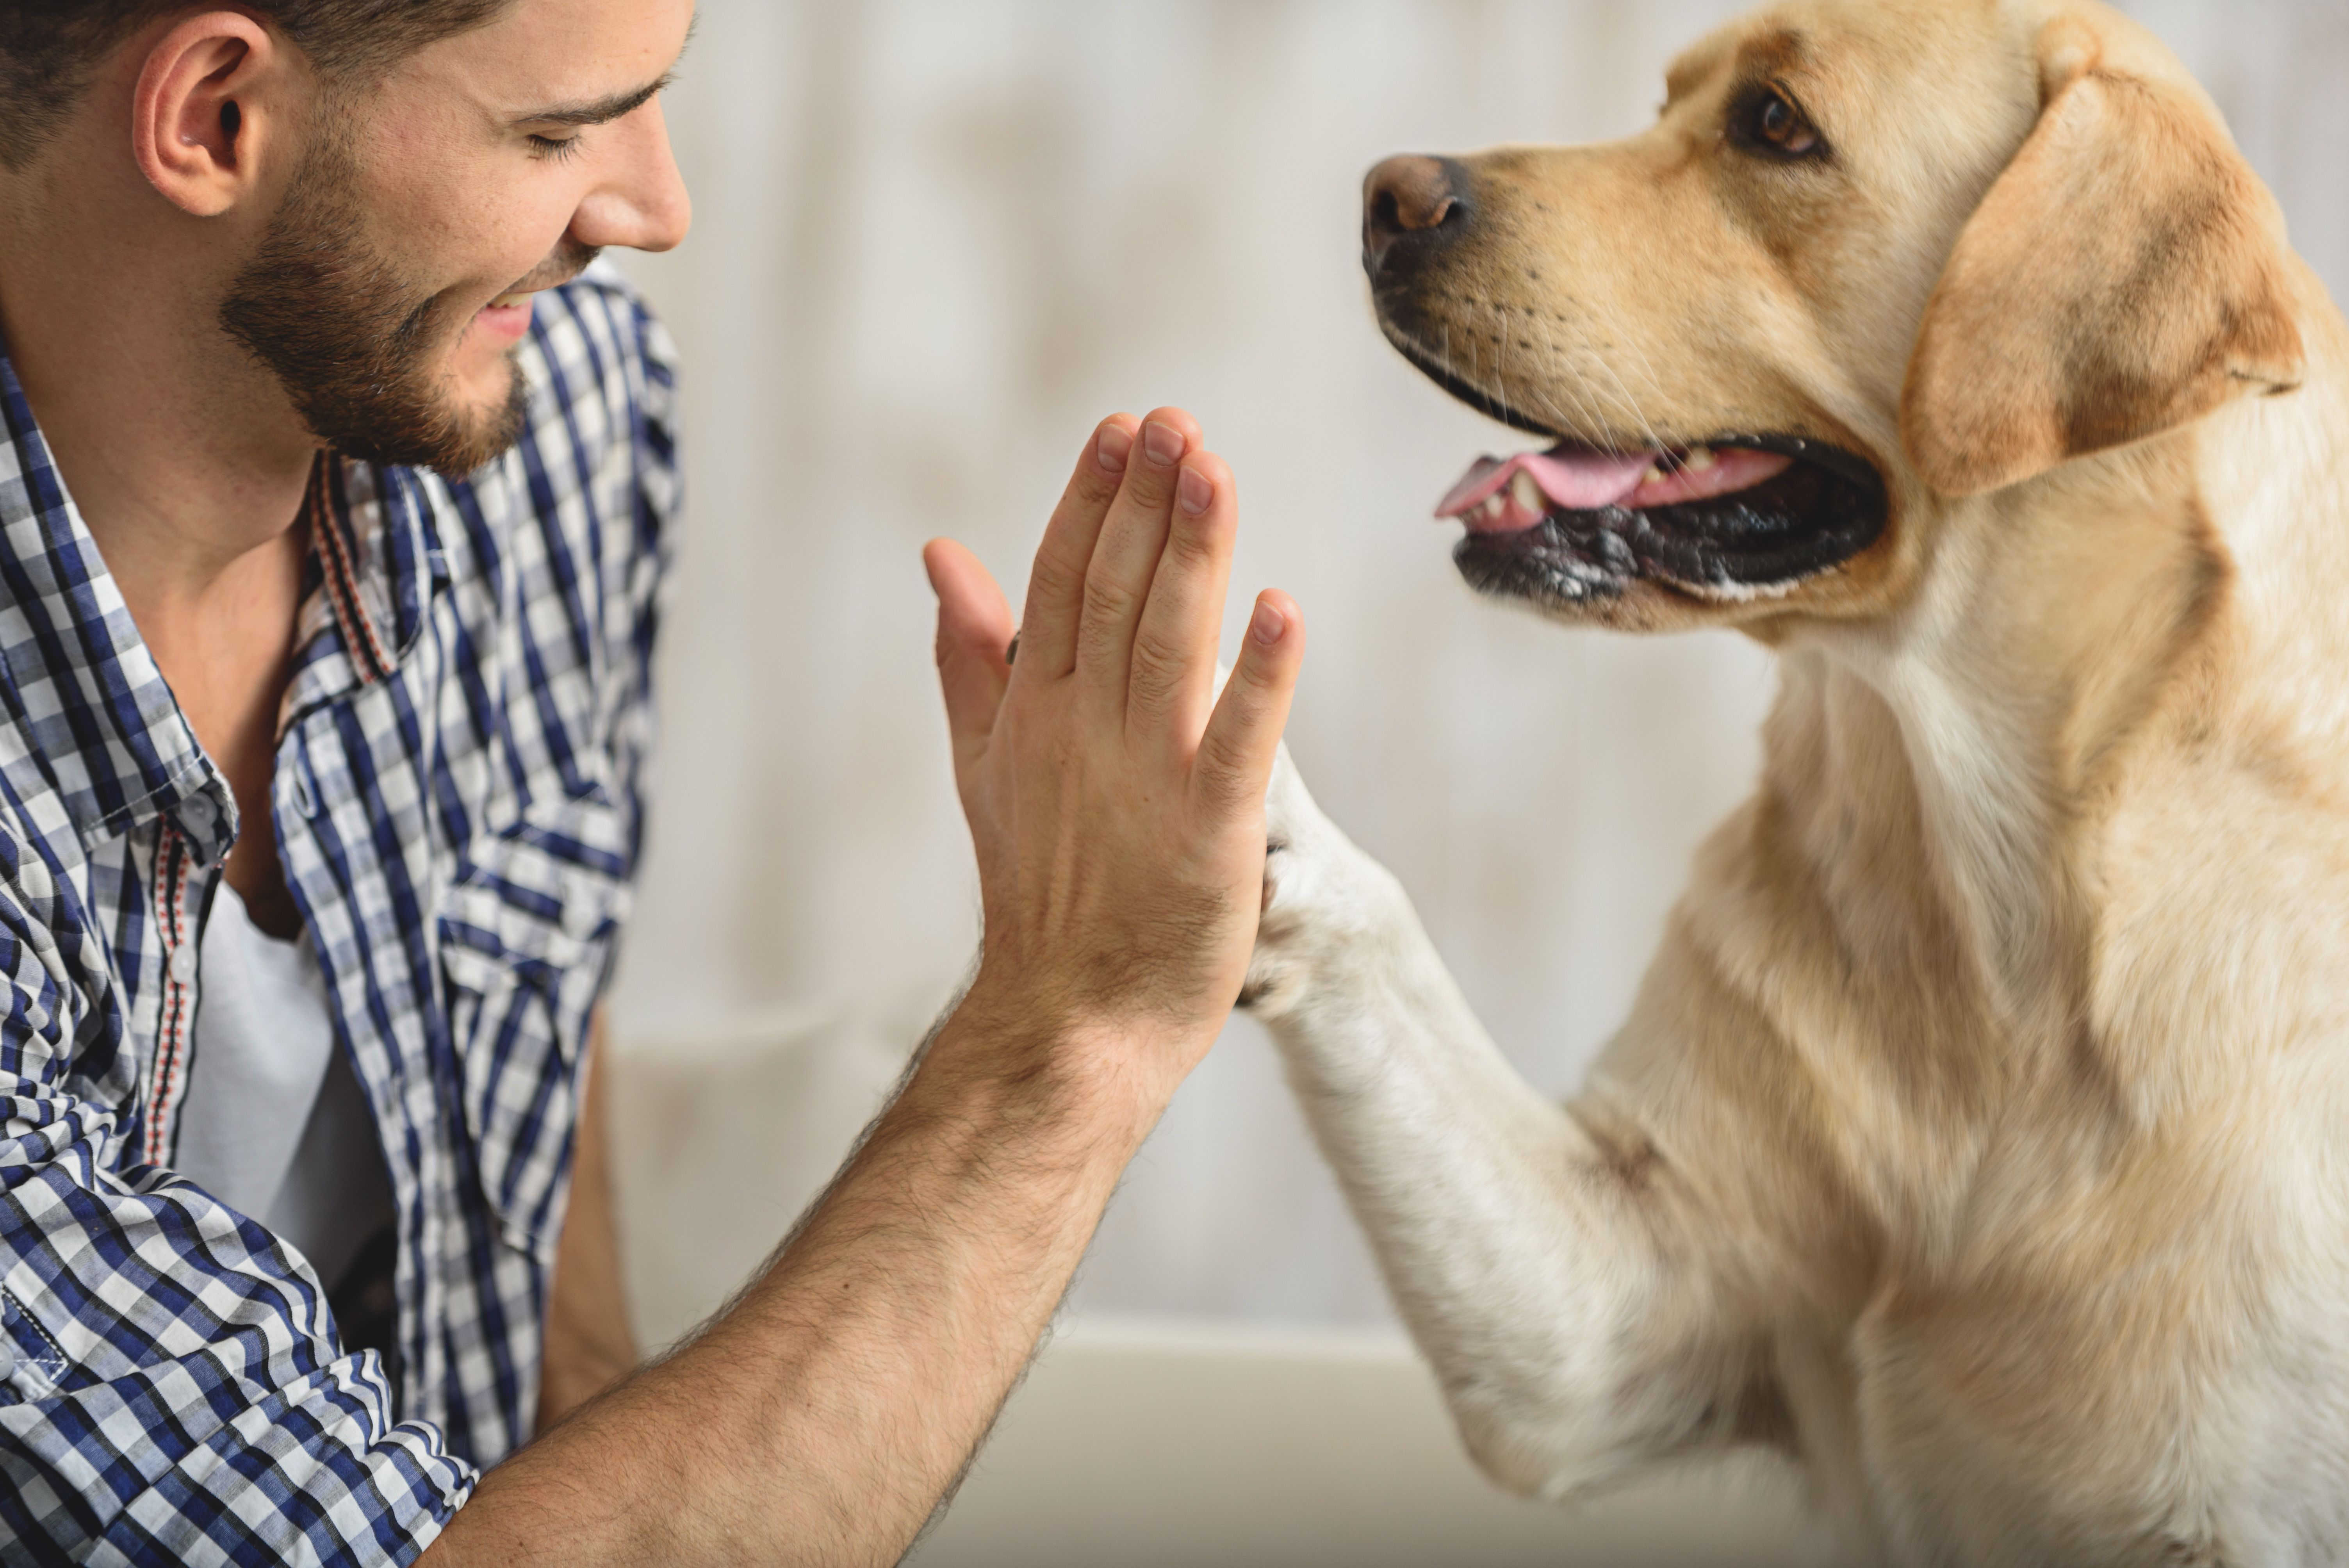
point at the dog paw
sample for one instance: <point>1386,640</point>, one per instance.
<point>1314,895</point>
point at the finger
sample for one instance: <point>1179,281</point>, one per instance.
<point>1243,735</point>
<point>1056,587</point>
<point>1126,557</point>
<point>1172,681</point>
<point>974,631</point>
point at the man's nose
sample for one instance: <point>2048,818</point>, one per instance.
<point>643,203</point>
<point>1413,206</point>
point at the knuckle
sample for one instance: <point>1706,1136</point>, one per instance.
<point>1092,492</point>
<point>1150,487</point>
<point>1259,672</point>
<point>1158,666</point>
<point>1222,769</point>
<point>1098,642</point>
<point>1053,575</point>
<point>1233,740</point>
<point>1192,547</point>
<point>1107,596</point>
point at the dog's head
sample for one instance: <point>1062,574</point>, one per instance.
<point>1871,260</point>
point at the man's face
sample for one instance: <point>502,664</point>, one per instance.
<point>393,284</point>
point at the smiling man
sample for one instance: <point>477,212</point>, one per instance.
<point>335,482</point>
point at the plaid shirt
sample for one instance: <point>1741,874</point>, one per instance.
<point>457,799</point>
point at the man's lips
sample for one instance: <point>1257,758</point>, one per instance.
<point>1510,495</point>
<point>506,316</point>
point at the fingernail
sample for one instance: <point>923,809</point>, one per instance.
<point>1161,444</point>
<point>1268,622</point>
<point>1194,491</point>
<point>1110,451</point>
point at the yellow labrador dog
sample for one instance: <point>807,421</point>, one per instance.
<point>1981,1135</point>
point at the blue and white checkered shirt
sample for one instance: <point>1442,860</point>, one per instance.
<point>456,796</point>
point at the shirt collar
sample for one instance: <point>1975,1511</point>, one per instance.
<point>374,567</point>
<point>103,734</point>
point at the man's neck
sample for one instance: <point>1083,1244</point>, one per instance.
<point>184,457</point>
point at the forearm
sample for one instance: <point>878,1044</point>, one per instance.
<point>589,1346</point>
<point>1117,803</point>
<point>820,1419</point>
<point>1478,1193</point>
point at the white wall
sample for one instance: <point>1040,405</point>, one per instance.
<point>934,241</point>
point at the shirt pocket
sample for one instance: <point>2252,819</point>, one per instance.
<point>32,1363</point>
<point>525,932</point>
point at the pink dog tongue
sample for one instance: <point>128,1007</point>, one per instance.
<point>1581,481</point>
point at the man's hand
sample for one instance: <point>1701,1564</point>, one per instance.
<point>1118,807</point>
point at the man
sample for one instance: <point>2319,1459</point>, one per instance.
<point>332,498</point>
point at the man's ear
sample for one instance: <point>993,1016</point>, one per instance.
<point>2125,275</point>
<point>193,128</point>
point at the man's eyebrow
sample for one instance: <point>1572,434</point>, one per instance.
<point>598,111</point>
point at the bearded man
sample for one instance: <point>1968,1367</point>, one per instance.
<point>335,484</point>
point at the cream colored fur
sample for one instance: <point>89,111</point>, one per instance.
<point>1980,1137</point>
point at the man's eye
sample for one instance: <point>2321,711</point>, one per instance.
<point>554,147</point>
<point>1767,121</point>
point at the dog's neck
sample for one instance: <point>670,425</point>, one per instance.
<point>2077,642</point>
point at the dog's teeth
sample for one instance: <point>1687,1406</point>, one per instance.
<point>1698,459</point>
<point>1654,476</point>
<point>1494,505</point>
<point>1527,493</point>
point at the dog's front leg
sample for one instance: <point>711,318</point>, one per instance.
<point>1539,1269</point>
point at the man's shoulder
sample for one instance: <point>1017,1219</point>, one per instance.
<point>598,327</point>
<point>599,377</point>
<point>583,504</point>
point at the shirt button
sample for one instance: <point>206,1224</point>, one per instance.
<point>183,963</point>
<point>200,811</point>
<point>7,1362</point>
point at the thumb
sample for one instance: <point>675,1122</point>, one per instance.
<point>974,630</point>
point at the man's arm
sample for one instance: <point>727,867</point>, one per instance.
<point>1117,808</point>
<point>171,1389</point>
<point>588,1344</point>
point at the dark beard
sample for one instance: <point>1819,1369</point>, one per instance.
<point>349,337</point>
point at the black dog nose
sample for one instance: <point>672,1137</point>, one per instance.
<point>1413,202</point>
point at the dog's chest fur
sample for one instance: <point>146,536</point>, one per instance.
<point>2084,1075</point>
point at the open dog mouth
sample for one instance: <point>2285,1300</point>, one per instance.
<point>1732,517</point>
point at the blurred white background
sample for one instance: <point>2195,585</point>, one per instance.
<point>936,239</point>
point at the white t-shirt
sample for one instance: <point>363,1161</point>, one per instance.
<point>274,1123</point>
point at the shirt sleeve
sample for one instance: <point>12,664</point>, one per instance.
<point>638,593</point>
<point>173,1390</point>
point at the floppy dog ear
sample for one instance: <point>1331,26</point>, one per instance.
<point>2125,275</point>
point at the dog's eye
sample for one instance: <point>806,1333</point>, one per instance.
<point>1767,121</point>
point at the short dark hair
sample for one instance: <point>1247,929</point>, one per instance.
<point>48,48</point>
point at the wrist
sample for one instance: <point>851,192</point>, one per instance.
<point>1116,1074</point>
